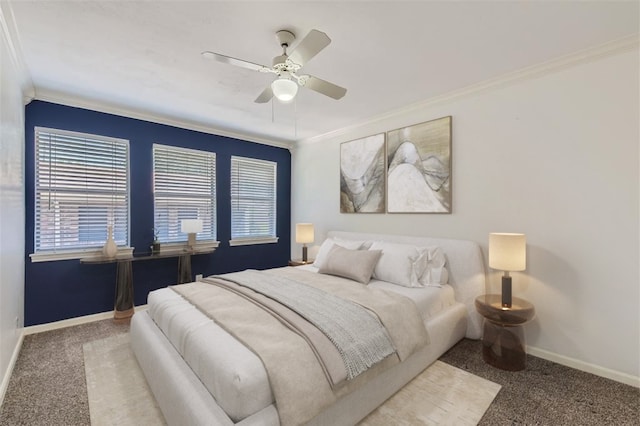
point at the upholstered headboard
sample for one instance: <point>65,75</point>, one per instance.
<point>464,262</point>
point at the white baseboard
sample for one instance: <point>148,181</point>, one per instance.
<point>618,376</point>
<point>33,329</point>
<point>12,363</point>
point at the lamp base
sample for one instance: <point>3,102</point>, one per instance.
<point>191,242</point>
<point>304,254</point>
<point>506,292</point>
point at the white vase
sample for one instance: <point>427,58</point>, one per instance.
<point>110,248</point>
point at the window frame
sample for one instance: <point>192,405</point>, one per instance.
<point>205,242</point>
<point>78,252</point>
<point>252,239</point>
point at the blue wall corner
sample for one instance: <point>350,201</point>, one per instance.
<point>67,289</point>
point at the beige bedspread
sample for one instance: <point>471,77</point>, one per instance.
<point>298,381</point>
<point>327,354</point>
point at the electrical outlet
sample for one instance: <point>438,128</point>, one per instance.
<point>199,277</point>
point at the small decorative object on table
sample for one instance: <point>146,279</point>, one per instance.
<point>155,246</point>
<point>110,248</point>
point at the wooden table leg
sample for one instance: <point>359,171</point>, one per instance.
<point>184,269</point>
<point>123,306</point>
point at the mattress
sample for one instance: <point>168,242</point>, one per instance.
<point>233,374</point>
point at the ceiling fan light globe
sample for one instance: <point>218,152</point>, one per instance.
<point>284,89</point>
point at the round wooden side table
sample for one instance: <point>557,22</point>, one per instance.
<point>503,343</point>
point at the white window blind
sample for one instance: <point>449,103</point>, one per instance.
<point>82,186</point>
<point>253,199</point>
<point>184,187</point>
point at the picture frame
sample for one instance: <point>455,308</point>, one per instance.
<point>362,175</point>
<point>418,168</point>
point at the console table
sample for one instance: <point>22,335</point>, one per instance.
<point>123,305</point>
<point>503,344</point>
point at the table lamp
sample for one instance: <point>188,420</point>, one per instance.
<point>304,234</point>
<point>191,227</point>
<point>507,252</point>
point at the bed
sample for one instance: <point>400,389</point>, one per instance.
<point>200,374</point>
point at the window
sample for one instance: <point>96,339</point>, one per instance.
<point>81,187</point>
<point>184,187</point>
<point>253,201</point>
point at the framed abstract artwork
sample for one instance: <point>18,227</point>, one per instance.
<point>419,168</point>
<point>362,175</point>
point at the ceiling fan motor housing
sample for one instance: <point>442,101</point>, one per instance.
<point>279,62</point>
<point>280,65</point>
<point>285,38</point>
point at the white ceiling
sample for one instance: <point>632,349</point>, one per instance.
<point>143,57</point>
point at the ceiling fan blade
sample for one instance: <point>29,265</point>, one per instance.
<point>233,61</point>
<point>309,47</point>
<point>265,96</point>
<point>323,87</point>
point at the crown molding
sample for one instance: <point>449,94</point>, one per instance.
<point>79,102</point>
<point>615,47</point>
<point>10,32</point>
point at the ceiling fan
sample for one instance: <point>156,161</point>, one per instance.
<point>286,66</point>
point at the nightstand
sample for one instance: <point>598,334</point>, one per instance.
<point>299,262</point>
<point>503,343</point>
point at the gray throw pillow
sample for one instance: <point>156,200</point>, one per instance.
<point>357,265</point>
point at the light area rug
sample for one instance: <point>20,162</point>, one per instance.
<point>440,395</point>
<point>118,392</point>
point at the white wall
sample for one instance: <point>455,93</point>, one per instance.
<point>555,156</point>
<point>12,208</point>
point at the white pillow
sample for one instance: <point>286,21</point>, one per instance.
<point>435,273</point>
<point>400,264</point>
<point>356,265</point>
<point>410,266</point>
<point>329,243</point>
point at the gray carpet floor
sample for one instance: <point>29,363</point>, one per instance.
<point>48,386</point>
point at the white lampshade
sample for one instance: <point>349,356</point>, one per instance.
<point>507,252</point>
<point>304,233</point>
<point>191,226</point>
<point>284,89</point>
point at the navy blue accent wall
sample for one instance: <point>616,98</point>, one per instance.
<point>66,289</point>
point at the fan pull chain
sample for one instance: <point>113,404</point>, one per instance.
<point>295,117</point>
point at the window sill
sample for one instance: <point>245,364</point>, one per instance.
<point>251,241</point>
<point>76,254</point>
